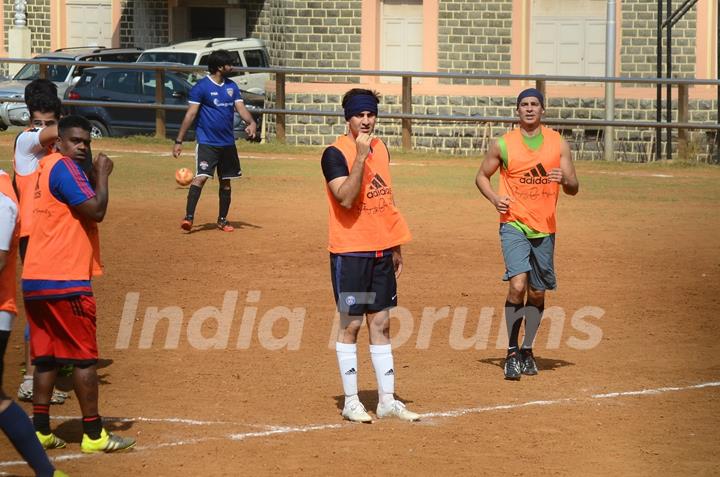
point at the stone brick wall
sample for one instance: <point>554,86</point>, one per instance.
<point>38,20</point>
<point>144,23</point>
<point>638,51</point>
<point>312,34</point>
<point>266,21</point>
<point>461,138</point>
<point>474,36</point>
<point>127,20</point>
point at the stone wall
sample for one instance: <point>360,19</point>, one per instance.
<point>38,20</point>
<point>312,34</point>
<point>464,138</point>
<point>638,50</point>
<point>474,37</point>
<point>144,23</point>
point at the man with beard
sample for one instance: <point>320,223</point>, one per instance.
<point>213,100</point>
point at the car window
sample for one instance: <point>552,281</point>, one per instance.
<point>167,57</point>
<point>148,83</point>
<point>86,79</point>
<point>129,57</point>
<point>125,82</point>
<point>174,88</point>
<point>170,87</point>
<point>255,58</point>
<point>55,73</point>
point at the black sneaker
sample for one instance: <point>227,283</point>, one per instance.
<point>513,366</point>
<point>529,366</point>
<point>224,225</point>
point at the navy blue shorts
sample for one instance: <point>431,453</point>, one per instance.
<point>363,284</point>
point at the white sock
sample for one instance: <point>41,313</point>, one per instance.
<point>382,360</point>
<point>347,362</point>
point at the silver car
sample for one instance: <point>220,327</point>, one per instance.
<point>16,114</point>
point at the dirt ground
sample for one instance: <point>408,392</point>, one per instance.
<point>639,246</point>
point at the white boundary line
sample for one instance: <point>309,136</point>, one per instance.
<point>282,430</point>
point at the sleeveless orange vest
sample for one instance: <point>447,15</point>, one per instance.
<point>63,245</point>
<point>525,180</point>
<point>8,283</point>
<point>373,223</point>
<point>25,185</point>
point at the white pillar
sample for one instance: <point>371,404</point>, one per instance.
<point>609,139</point>
<point>19,40</point>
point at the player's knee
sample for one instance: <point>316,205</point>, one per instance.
<point>536,297</point>
<point>199,181</point>
<point>516,290</point>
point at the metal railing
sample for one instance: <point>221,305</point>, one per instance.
<point>406,116</point>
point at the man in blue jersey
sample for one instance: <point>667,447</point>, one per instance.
<point>214,100</point>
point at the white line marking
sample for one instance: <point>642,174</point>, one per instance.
<point>711,384</point>
<point>172,420</point>
<point>280,430</point>
<point>283,430</point>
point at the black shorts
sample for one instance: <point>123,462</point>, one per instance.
<point>363,284</point>
<point>224,158</point>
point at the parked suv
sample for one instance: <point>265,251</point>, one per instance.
<point>248,52</point>
<point>135,85</point>
<point>16,114</point>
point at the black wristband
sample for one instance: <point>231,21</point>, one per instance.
<point>178,142</point>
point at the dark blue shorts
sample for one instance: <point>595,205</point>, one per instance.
<point>363,284</point>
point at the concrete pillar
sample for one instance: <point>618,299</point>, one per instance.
<point>19,41</point>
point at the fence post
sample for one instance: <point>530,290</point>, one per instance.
<point>683,98</point>
<point>280,104</point>
<point>407,109</point>
<point>540,86</point>
<point>43,72</point>
<point>160,99</point>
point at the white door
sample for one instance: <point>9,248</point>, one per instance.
<point>89,23</point>
<point>401,35</point>
<point>235,23</point>
<point>568,46</point>
<point>568,37</point>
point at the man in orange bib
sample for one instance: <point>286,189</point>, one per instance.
<point>31,146</point>
<point>366,231</point>
<point>14,423</point>
<point>62,257</point>
<point>534,161</point>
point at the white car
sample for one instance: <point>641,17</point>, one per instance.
<point>249,52</point>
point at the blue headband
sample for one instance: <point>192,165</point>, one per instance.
<point>358,104</point>
<point>531,92</point>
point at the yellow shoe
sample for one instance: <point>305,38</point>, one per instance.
<point>50,441</point>
<point>60,473</point>
<point>108,442</point>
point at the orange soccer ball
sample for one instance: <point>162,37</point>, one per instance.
<point>183,176</point>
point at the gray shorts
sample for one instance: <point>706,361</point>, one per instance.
<point>523,255</point>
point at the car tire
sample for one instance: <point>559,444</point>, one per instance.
<point>98,130</point>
